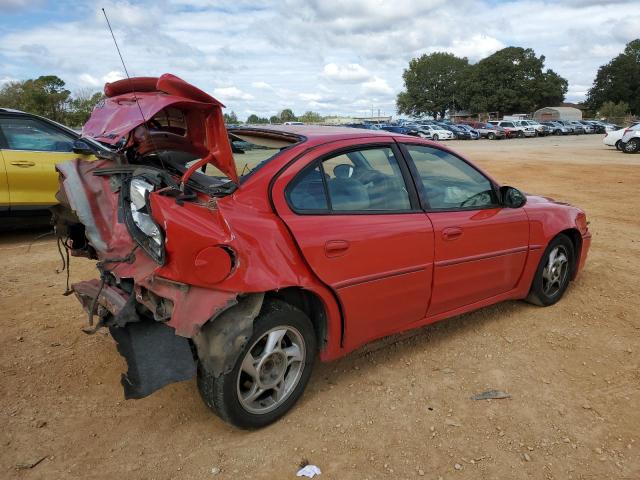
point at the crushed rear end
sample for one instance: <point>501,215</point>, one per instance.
<point>137,206</point>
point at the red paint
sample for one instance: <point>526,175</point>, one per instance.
<point>374,274</point>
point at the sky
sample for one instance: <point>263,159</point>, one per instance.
<point>335,57</point>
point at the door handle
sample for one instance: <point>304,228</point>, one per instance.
<point>451,233</point>
<point>23,163</point>
<point>335,248</point>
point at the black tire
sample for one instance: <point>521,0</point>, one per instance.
<point>557,132</point>
<point>632,146</point>
<point>520,134</point>
<point>537,294</point>
<point>491,136</point>
<point>220,394</point>
<point>434,137</point>
<point>618,145</point>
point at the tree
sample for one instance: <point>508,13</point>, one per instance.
<point>230,118</point>
<point>512,80</point>
<point>311,117</point>
<point>253,118</point>
<point>613,110</point>
<point>618,80</point>
<point>274,119</point>
<point>44,96</point>
<point>79,108</point>
<point>287,115</point>
<point>432,85</point>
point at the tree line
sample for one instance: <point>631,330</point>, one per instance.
<point>48,96</point>
<point>512,80</point>
<point>285,115</point>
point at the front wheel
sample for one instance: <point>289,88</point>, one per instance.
<point>520,134</point>
<point>553,273</point>
<point>269,374</point>
<point>632,146</point>
<point>491,136</point>
<point>435,137</point>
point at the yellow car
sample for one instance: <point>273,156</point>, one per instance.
<point>30,147</point>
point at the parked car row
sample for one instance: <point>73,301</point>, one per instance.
<point>492,129</point>
<point>624,139</point>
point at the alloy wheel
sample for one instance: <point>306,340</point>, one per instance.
<point>271,369</point>
<point>556,271</point>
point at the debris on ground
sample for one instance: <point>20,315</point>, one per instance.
<point>308,471</point>
<point>491,395</point>
<point>29,465</point>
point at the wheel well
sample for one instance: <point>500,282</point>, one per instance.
<point>576,240</point>
<point>310,304</point>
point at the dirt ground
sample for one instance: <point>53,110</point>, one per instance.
<point>399,409</point>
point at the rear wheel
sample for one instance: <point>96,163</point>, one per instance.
<point>269,374</point>
<point>632,146</point>
<point>618,145</point>
<point>554,272</point>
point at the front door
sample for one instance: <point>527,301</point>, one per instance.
<point>30,151</point>
<point>355,215</point>
<point>480,247</point>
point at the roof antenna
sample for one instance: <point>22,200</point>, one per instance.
<point>133,90</point>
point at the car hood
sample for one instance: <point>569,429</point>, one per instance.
<point>125,119</point>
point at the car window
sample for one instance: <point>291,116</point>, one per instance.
<point>33,134</point>
<point>358,181</point>
<point>449,182</point>
<point>507,124</point>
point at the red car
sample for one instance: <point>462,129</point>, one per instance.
<point>328,238</point>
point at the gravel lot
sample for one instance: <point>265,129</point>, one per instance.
<point>400,408</point>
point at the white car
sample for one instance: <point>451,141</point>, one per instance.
<point>630,142</point>
<point>520,130</point>
<point>433,132</point>
<point>614,139</point>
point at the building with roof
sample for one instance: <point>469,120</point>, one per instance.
<point>557,113</point>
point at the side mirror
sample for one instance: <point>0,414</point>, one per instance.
<point>82,148</point>
<point>512,197</point>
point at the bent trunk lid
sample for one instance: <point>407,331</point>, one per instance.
<point>125,118</point>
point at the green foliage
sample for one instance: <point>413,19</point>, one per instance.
<point>287,115</point>
<point>432,84</point>
<point>79,108</point>
<point>274,119</point>
<point>230,118</point>
<point>253,118</point>
<point>311,117</point>
<point>618,80</point>
<point>48,97</point>
<point>512,80</point>
<point>613,110</point>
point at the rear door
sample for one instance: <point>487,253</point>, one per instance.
<point>32,148</point>
<point>480,247</point>
<point>353,210</point>
<point>4,184</point>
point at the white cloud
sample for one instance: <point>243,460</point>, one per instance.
<point>113,76</point>
<point>231,93</point>
<point>261,85</point>
<point>377,86</point>
<point>336,56</point>
<point>350,73</point>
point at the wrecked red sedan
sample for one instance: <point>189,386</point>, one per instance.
<point>240,256</point>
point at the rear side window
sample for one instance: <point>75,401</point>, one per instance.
<point>32,134</point>
<point>368,180</point>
